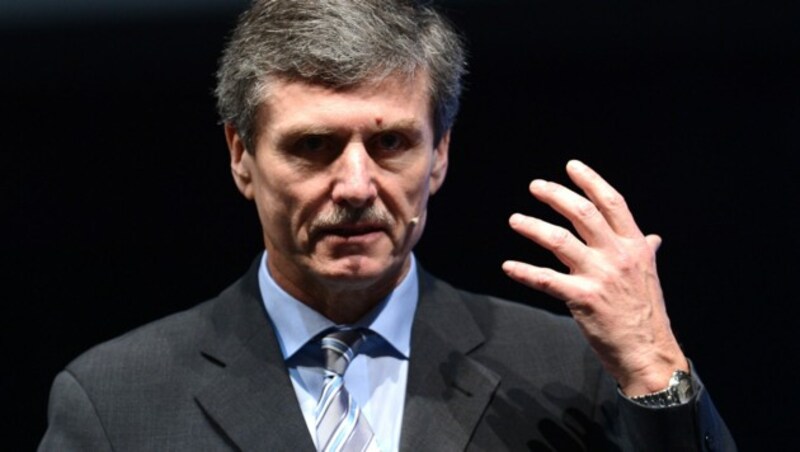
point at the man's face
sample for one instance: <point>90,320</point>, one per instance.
<point>341,181</point>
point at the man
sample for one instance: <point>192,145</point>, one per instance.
<point>337,115</point>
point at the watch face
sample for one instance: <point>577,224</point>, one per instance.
<point>684,387</point>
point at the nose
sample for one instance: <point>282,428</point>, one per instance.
<point>354,177</point>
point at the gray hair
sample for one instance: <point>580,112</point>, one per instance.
<point>340,44</point>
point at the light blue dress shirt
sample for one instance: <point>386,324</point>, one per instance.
<point>377,376</point>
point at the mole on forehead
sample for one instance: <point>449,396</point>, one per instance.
<point>378,121</point>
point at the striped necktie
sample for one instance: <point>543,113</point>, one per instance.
<point>340,424</point>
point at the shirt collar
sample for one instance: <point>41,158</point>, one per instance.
<point>295,323</point>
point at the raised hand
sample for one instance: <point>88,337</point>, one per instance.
<point>612,288</point>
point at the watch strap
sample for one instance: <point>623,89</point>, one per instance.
<point>679,391</point>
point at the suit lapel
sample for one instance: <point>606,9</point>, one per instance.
<point>251,398</point>
<point>447,390</point>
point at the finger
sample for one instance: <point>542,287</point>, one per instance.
<point>584,216</point>
<point>654,241</point>
<point>565,246</point>
<point>547,280</point>
<point>607,199</point>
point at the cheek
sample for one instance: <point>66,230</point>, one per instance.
<point>406,199</point>
<point>274,203</point>
<point>417,188</point>
<point>292,204</point>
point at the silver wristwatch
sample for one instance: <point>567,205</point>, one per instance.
<point>679,391</point>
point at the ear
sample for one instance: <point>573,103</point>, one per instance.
<point>439,167</point>
<point>241,161</point>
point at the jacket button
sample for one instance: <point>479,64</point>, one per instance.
<point>710,443</point>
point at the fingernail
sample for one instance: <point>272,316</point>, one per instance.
<point>576,164</point>
<point>538,184</point>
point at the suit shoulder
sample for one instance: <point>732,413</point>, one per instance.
<point>141,387</point>
<point>162,339</point>
<point>234,311</point>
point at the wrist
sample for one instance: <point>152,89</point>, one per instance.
<point>654,377</point>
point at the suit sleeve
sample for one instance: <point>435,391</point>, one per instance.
<point>695,425</point>
<point>73,424</point>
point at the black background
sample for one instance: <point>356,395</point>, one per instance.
<point>121,209</point>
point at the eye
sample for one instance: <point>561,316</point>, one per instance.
<point>312,144</point>
<point>390,141</point>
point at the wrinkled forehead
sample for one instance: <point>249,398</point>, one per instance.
<point>403,88</point>
<point>419,78</point>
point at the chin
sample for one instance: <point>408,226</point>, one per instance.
<point>360,269</point>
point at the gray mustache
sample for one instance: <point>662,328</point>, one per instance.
<point>346,216</point>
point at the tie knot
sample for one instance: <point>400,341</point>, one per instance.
<point>340,346</point>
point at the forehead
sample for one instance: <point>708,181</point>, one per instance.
<point>394,99</point>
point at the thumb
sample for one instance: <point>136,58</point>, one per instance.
<point>654,241</point>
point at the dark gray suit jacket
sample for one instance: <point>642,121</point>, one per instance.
<point>484,374</point>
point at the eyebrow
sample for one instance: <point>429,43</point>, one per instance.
<point>403,124</point>
<point>411,127</point>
